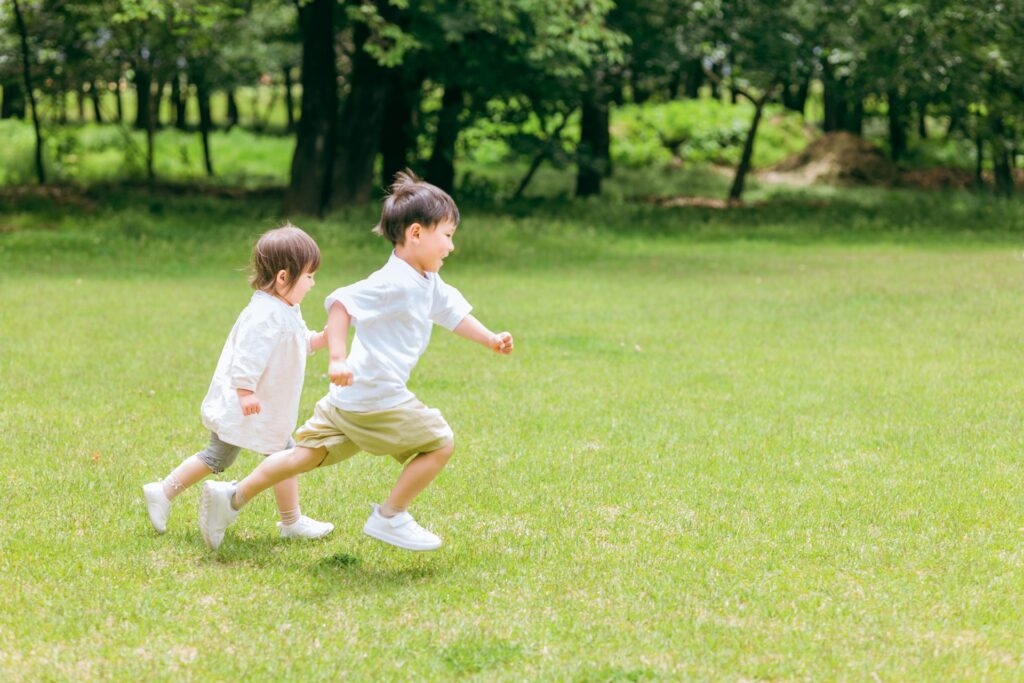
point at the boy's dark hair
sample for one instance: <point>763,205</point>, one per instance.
<point>286,248</point>
<point>412,200</point>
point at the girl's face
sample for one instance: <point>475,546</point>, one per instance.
<point>299,289</point>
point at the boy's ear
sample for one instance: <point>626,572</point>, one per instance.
<point>414,230</point>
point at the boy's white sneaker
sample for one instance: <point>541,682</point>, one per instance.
<point>157,505</point>
<point>400,530</point>
<point>215,511</point>
<point>305,527</point>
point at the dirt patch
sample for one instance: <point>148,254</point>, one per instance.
<point>48,194</point>
<point>702,202</point>
<point>836,158</point>
<point>938,178</point>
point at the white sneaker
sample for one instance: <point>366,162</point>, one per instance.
<point>157,505</point>
<point>400,530</point>
<point>215,511</point>
<point>305,527</point>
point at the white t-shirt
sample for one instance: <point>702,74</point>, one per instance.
<point>265,353</point>
<point>392,311</point>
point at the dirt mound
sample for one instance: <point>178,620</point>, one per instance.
<point>837,158</point>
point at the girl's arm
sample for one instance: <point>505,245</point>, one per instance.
<point>473,330</point>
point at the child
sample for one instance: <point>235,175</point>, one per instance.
<point>253,401</point>
<point>369,407</point>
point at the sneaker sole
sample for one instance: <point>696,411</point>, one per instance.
<point>204,506</point>
<point>398,543</point>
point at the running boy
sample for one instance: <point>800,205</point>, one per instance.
<point>253,400</point>
<point>369,408</point>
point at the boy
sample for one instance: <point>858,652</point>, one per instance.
<point>368,406</point>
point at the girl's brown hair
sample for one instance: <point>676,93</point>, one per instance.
<point>287,248</point>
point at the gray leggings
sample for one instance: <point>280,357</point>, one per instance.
<point>219,456</point>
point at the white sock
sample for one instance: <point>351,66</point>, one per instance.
<point>389,511</point>
<point>289,517</point>
<point>172,487</point>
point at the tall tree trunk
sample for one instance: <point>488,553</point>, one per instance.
<point>94,95</point>
<point>313,159</point>
<point>1002,164</point>
<point>593,160</point>
<point>13,106</point>
<point>27,76</point>
<point>897,125</point>
<point>794,98</point>
<point>833,100</point>
<point>80,102</point>
<point>232,110</point>
<point>922,123</point>
<point>179,98</point>
<point>359,127</point>
<point>205,118</point>
<point>736,191</point>
<point>694,78</point>
<point>119,99</point>
<point>979,160</point>
<point>855,118</point>
<point>158,100</point>
<point>398,135</point>
<point>441,167</point>
<point>289,99</point>
<point>143,83</point>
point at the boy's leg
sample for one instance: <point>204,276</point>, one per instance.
<point>277,468</point>
<point>391,522</point>
<point>416,476</point>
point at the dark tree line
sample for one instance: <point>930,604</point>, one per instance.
<point>389,84</point>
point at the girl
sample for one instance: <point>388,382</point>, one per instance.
<point>253,401</point>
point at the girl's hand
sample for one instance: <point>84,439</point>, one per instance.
<point>250,404</point>
<point>501,343</point>
<point>340,373</point>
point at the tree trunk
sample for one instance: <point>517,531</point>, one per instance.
<point>1002,164</point>
<point>441,167</point>
<point>897,126</point>
<point>855,118</point>
<point>794,98</point>
<point>142,89</point>
<point>80,102</point>
<point>313,159</point>
<point>694,78</point>
<point>922,124</point>
<point>232,110</point>
<point>289,99</point>
<point>158,99</point>
<point>979,160</point>
<point>179,96</point>
<point>205,118</point>
<point>94,95</point>
<point>359,127</point>
<point>593,160</point>
<point>27,76</point>
<point>736,191</point>
<point>398,134</point>
<point>13,106</point>
<point>833,100</point>
<point>119,99</point>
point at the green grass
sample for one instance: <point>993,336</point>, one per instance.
<point>776,443</point>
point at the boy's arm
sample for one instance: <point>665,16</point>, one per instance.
<point>473,330</point>
<point>336,332</point>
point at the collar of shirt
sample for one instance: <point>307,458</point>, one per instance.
<point>400,265</point>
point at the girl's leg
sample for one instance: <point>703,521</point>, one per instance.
<point>414,478</point>
<point>191,470</point>
<point>275,469</point>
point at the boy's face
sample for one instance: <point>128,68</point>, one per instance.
<point>430,246</point>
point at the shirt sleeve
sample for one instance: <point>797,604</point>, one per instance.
<point>255,341</point>
<point>449,307</point>
<point>309,341</point>
<point>364,300</point>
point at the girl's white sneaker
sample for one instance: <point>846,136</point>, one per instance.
<point>305,527</point>
<point>400,530</point>
<point>157,505</point>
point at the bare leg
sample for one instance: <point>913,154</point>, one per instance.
<point>191,470</point>
<point>275,469</point>
<point>415,477</point>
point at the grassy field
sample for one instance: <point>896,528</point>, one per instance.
<point>772,443</point>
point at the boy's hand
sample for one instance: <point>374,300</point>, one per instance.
<point>501,343</point>
<point>340,373</point>
<point>250,404</point>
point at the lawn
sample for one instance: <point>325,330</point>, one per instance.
<point>770,443</point>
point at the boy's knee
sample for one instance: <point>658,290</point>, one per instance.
<point>306,459</point>
<point>445,452</point>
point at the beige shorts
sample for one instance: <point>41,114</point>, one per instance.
<point>406,430</point>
